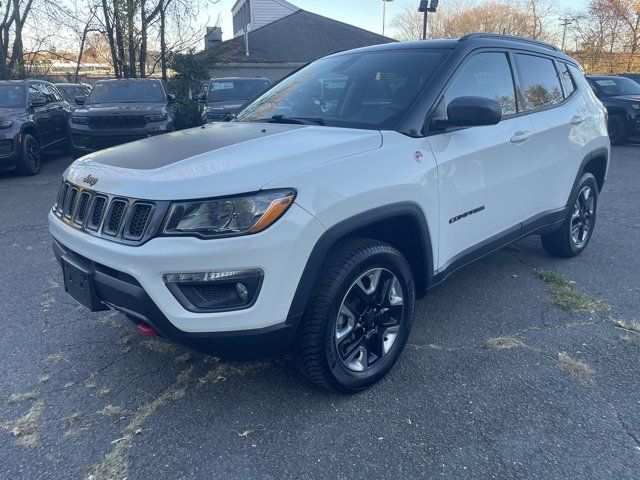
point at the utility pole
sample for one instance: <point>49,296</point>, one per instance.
<point>425,7</point>
<point>384,14</point>
<point>565,23</point>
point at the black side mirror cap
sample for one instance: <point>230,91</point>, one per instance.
<point>202,97</point>
<point>79,100</point>
<point>171,98</point>
<point>470,112</point>
<point>37,102</point>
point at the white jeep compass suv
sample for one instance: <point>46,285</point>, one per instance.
<point>312,221</point>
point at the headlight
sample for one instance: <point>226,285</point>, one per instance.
<point>5,124</point>
<point>228,216</point>
<point>635,106</point>
<point>80,120</point>
<point>156,118</point>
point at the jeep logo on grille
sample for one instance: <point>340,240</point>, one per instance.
<point>90,180</point>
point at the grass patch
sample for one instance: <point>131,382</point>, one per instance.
<point>501,343</point>
<point>25,429</point>
<point>630,341</point>
<point>54,358</point>
<point>629,326</point>
<point>566,296</point>
<point>113,411</point>
<point>23,397</point>
<point>576,368</point>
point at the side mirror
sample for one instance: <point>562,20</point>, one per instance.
<point>79,100</point>
<point>171,98</point>
<point>471,112</point>
<point>202,97</point>
<point>38,101</point>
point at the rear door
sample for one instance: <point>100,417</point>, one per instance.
<point>481,169</point>
<point>41,116</point>
<point>560,119</point>
<point>59,111</point>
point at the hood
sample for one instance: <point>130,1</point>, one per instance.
<point>108,109</point>
<point>215,160</point>
<point>12,113</point>
<point>225,107</point>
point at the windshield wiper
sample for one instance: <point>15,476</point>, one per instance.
<point>296,120</point>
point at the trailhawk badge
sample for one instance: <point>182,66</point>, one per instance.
<point>90,180</point>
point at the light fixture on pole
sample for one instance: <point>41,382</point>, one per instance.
<point>425,7</point>
<point>384,14</point>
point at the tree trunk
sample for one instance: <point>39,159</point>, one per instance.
<point>131,38</point>
<point>142,57</point>
<point>117,20</point>
<point>110,37</point>
<point>163,43</point>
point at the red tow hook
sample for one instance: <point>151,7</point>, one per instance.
<point>146,330</point>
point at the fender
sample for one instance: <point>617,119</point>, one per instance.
<point>349,227</point>
<point>599,152</point>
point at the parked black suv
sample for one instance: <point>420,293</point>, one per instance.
<point>33,118</point>
<point>225,96</point>
<point>121,111</point>
<point>621,96</point>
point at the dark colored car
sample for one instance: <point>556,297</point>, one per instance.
<point>33,118</point>
<point>121,111</point>
<point>70,91</point>
<point>225,96</point>
<point>621,96</point>
<point>633,76</point>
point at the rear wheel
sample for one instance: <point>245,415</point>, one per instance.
<point>358,318</point>
<point>30,156</point>
<point>618,132</point>
<point>574,234</point>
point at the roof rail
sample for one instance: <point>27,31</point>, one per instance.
<point>514,38</point>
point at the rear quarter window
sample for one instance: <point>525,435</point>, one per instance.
<point>568,83</point>
<point>539,81</point>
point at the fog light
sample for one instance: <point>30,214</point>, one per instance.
<point>217,290</point>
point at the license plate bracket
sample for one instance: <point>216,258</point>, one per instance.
<point>79,283</point>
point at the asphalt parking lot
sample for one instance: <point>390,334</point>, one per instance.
<point>521,366</point>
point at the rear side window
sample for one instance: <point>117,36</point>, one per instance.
<point>539,81</point>
<point>568,84</point>
<point>485,75</point>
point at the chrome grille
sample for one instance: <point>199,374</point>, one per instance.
<point>82,208</point>
<point>115,215</point>
<point>138,219</point>
<point>120,219</point>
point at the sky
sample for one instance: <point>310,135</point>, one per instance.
<point>365,14</point>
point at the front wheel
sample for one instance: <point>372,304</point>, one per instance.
<point>358,318</point>
<point>30,156</point>
<point>574,234</point>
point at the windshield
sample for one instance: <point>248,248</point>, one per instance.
<point>612,87</point>
<point>371,90</point>
<point>12,96</point>
<point>127,92</point>
<point>224,91</point>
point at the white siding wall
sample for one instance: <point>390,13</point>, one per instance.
<point>266,11</point>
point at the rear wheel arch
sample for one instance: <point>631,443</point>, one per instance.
<point>31,130</point>
<point>401,225</point>
<point>595,162</point>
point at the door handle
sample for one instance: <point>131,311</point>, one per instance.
<point>577,120</point>
<point>521,137</point>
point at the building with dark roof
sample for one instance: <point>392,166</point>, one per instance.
<point>274,37</point>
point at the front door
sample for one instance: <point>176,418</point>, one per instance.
<point>481,169</point>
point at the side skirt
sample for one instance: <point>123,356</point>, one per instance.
<point>545,222</point>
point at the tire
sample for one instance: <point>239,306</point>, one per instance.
<point>30,156</point>
<point>618,131</point>
<point>576,230</point>
<point>338,322</point>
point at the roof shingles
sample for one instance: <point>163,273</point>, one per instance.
<point>297,38</point>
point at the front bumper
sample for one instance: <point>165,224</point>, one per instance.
<point>131,279</point>
<point>9,147</point>
<point>86,140</point>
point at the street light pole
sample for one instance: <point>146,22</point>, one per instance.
<point>425,7</point>
<point>384,14</point>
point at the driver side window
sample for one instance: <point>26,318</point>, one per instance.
<point>484,75</point>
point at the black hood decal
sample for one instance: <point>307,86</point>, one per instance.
<point>163,150</point>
